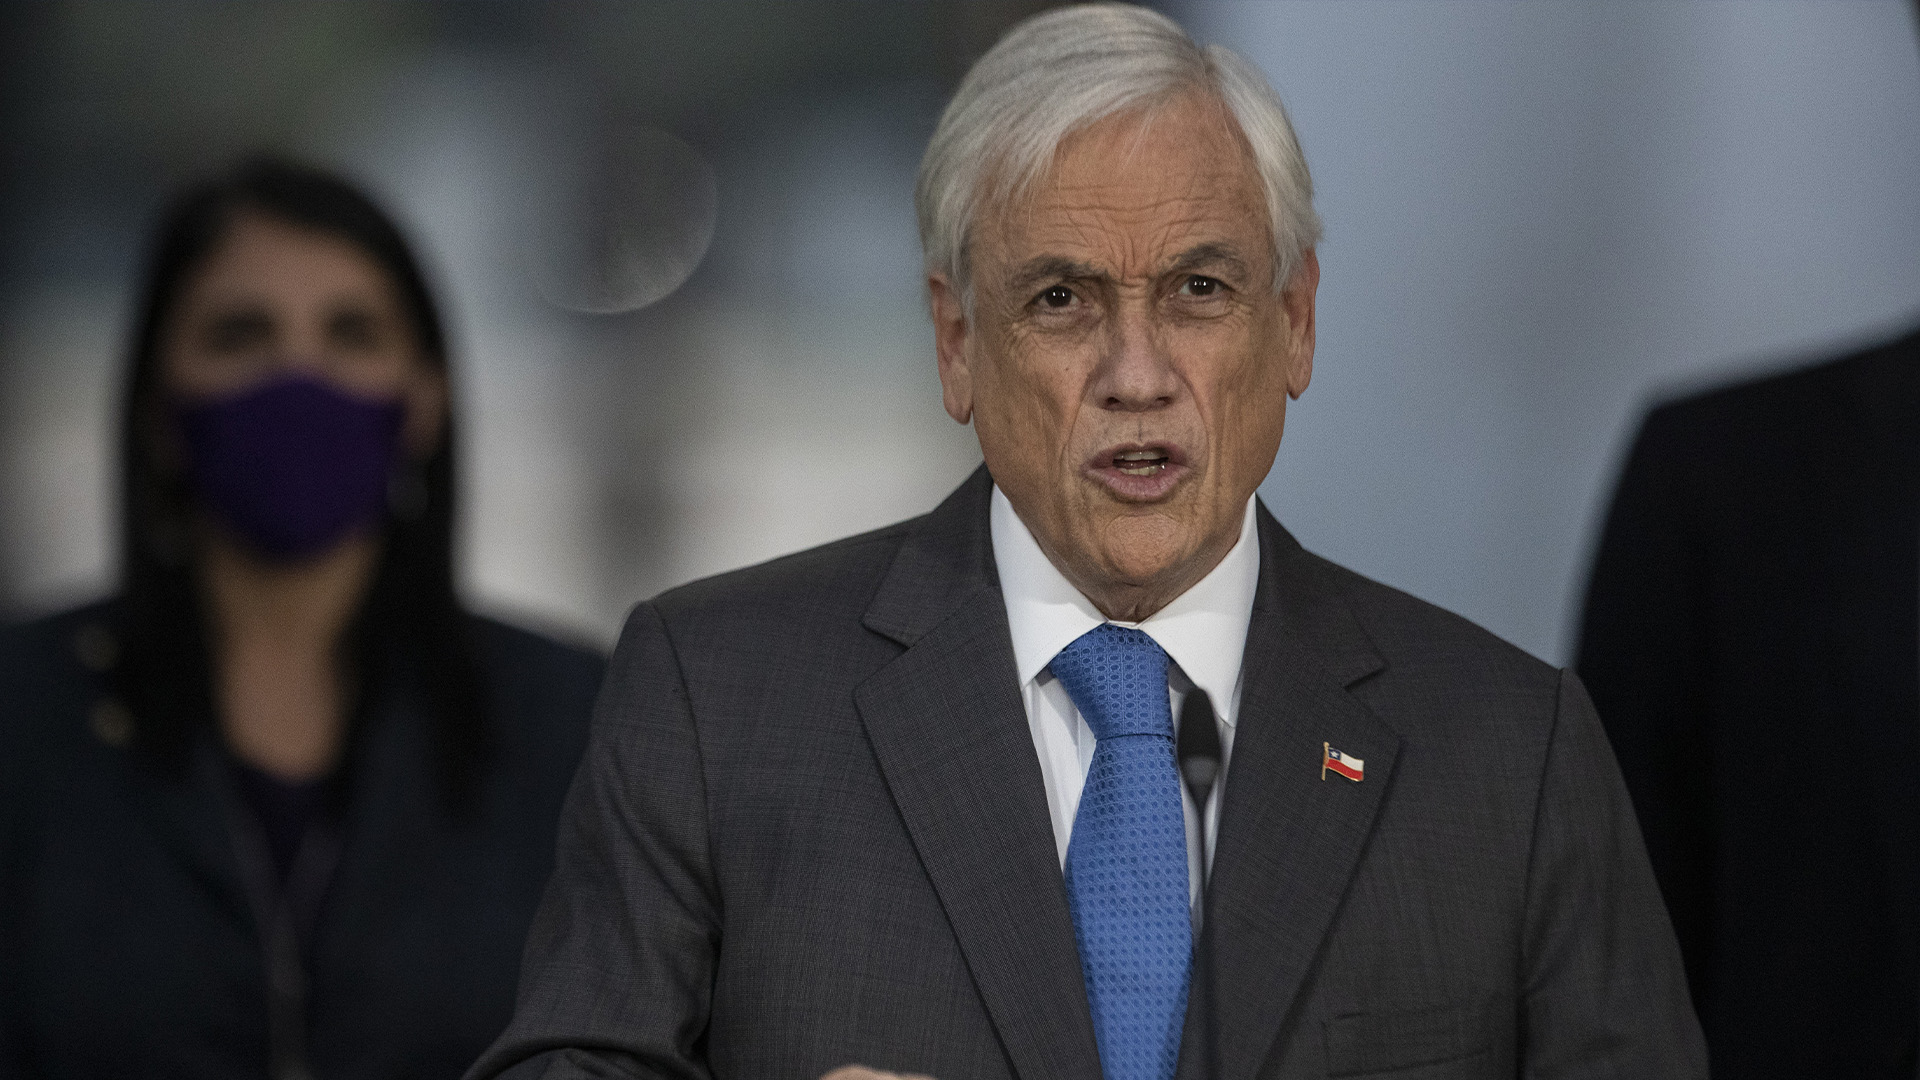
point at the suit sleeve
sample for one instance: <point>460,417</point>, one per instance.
<point>1644,654</point>
<point>1605,995</point>
<point>617,975</point>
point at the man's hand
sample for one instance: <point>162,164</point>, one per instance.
<point>861,1072</point>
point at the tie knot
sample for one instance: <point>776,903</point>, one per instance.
<point>1117,678</point>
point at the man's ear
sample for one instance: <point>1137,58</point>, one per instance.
<point>950,331</point>
<point>1297,299</point>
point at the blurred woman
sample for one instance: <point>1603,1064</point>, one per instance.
<point>281,807</point>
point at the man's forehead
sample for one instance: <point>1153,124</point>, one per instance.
<point>1094,226</point>
<point>1082,213</point>
<point>1145,187</point>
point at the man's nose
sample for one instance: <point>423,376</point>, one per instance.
<point>1136,372</point>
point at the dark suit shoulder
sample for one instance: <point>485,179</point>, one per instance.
<point>542,692</point>
<point>789,630</point>
<point>1440,680</point>
<point>517,653</point>
<point>1730,422</point>
<point>1757,425</point>
<point>53,685</point>
<point>1409,631</point>
<point>48,637</point>
<point>1769,396</point>
<point>835,578</point>
<point>49,664</point>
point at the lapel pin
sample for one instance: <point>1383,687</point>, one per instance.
<point>1345,764</point>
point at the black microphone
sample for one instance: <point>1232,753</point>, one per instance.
<point>1199,752</point>
<point>1198,749</point>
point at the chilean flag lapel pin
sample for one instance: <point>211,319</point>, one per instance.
<point>1344,764</point>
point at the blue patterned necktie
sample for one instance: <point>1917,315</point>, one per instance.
<point>1127,861</point>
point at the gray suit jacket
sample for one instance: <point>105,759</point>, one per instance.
<point>810,830</point>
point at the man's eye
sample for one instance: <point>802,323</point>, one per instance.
<point>1058,296</point>
<point>1199,285</point>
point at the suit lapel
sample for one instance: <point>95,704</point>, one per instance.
<point>1289,841</point>
<point>949,730</point>
<point>189,816</point>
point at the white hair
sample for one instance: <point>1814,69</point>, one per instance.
<point>1065,69</point>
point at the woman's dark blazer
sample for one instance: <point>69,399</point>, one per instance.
<point>127,947</point>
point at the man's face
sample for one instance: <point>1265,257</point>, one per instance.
<point>1128,362</point>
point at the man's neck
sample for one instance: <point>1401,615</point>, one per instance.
<point>1137,601</point>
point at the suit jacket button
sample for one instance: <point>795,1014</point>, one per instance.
<point>111,722</point>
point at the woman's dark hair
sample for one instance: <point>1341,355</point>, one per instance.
<point>410,616</point>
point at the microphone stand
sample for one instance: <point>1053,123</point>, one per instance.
<point>1198,750</point>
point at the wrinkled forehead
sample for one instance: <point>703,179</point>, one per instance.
<point>1133,192</point>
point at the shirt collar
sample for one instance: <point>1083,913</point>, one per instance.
<point>1204,629</point>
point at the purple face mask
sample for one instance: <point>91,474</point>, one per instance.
<point>292,465</point>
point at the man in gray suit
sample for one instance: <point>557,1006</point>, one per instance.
<point>911,799</point>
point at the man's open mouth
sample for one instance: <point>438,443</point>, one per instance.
<point>1141,462</point>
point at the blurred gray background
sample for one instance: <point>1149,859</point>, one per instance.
<point>1539,218</point>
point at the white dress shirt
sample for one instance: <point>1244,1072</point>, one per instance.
<point>1204,631</point>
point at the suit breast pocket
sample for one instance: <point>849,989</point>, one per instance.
<point>1441,1043</point>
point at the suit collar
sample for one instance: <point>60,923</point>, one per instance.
<point>945,560</point>
<point>1305,591</point>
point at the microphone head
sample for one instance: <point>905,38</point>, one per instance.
<point>1199,774</point>
<point>1198,744</point>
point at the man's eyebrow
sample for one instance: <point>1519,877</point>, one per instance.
<point>1202,256</point>
<point>1043,269</point>
<point>1050,268</point>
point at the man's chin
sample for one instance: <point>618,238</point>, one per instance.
<point>1143,551</point>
